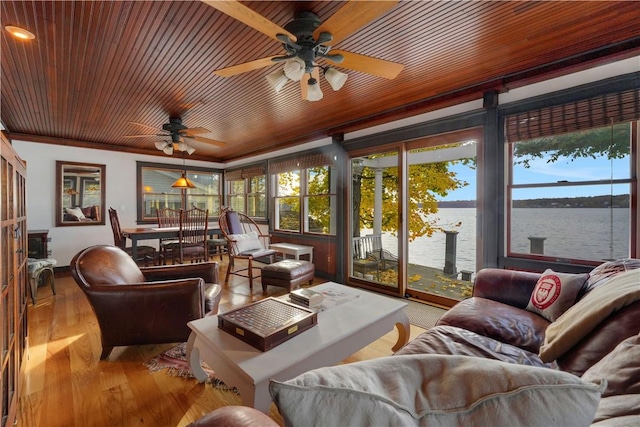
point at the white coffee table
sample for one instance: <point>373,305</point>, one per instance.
<point>341,331</point>
<point>293,249</point>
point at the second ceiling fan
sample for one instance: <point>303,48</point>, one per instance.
<point>305,40</point>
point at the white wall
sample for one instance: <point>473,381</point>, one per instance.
<point>120,192</point>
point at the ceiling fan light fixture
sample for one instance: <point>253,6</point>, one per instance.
<point>277,80</point>
<point>294,69</point>
<point>190,150</point>
<point>168,150</point>
<point>161,145</point>
<point>314,92</point>
<point>335,78</point>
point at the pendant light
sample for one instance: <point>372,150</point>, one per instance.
<point>183,182</point>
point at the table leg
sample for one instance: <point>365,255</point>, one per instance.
<point>404,330</point>
<point>134,248</point>
<point>193,358</point>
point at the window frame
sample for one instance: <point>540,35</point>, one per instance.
<point>246,175</point>
<point>184,195</point>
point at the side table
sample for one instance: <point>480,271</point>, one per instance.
<point>293,249</point>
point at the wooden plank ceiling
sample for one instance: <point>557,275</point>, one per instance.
<point>96,66</point>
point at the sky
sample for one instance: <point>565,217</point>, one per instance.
<point>542,172</point>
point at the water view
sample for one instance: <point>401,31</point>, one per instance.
<point>579,233</point>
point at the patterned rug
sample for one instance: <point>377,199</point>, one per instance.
<point>174,361</point>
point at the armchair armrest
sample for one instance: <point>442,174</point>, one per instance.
<point>207,271</point>
<point>505,286</point>
<point>147,313</point>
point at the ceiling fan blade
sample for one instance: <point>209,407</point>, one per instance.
<point>207,140</point>
<point>247,66</point>
<point>367,64</point>
<point>195,131</point>
<point>351,17</point>
<point>242,13</point>
<point>304,82</point>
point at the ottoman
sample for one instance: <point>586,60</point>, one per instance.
<point>288,273</point>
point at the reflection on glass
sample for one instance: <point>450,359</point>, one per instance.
<point>79,193</point>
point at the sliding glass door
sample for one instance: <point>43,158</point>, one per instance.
<point>432,184</point>
<point>442,203</point>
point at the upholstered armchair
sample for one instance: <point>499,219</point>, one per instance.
<point>144,305</point>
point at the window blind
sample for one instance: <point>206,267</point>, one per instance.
<point>574,116</point>
<point>248,172</point>
<point>303,162</point>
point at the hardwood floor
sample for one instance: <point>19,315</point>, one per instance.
<point>65,383</point>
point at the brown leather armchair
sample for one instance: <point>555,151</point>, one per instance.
<point>144,305</point>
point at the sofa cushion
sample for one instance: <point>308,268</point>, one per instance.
<point>621,369</point>
<point>502,322</point>
<point>555,292</point>
<point>460,342</point>
<point>606,270</point>
<point>435,390</point>
<point>584,316</point>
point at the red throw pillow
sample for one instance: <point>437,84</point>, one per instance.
<point>555,293</point>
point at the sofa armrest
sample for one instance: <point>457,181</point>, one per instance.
<point>207,271</point>
<point>506,286</point>
<point>147,313</point>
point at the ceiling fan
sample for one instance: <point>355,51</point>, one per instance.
<point>305,41</point>
<point>176,134</point>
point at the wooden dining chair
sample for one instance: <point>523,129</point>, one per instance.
<point>167,218</point>
<point>192,238</point>
<point>144,254</point>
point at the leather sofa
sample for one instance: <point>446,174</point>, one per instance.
<point>498,323</point>
<point>144,305</point>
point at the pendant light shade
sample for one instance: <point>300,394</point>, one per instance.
<point>335,78</point>
<point>314,93</point>
<point>277,80</point>
<point>183,182</point>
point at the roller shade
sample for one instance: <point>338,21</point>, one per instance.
<point>574,116</point>
<point>303,162</point>
<point>248,172</point>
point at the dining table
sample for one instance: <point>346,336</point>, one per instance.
<point>151,233</point>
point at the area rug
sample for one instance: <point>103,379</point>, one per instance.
<point>174,361</point>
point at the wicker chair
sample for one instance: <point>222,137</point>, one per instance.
<point>245,242</point>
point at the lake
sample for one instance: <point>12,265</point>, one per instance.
<point>594,234</point>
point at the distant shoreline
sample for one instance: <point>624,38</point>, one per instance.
<point>619,201</point>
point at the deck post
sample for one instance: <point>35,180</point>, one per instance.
<point>536,245</point>
<point>450,253</point>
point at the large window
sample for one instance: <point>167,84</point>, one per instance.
<point>247,191</point>
<point>155,191</point>
<point>573,185</point>
<point>305,194</point>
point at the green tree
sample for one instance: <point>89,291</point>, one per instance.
<point>609,141</point>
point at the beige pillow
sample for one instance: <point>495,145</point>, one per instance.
<point>585,315</point>
<point>247,242</point>
<point>76,212</point>
<point>435,390</point>
<point>555,293</point>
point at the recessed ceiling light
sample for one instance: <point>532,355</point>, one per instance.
<point>20,33</point>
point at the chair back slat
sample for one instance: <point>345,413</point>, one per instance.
<point>192,237</point>
<point>118,238</point>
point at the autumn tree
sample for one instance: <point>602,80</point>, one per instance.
<point>427,183</point>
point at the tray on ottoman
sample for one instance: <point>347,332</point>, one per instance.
<point>267,323</point>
